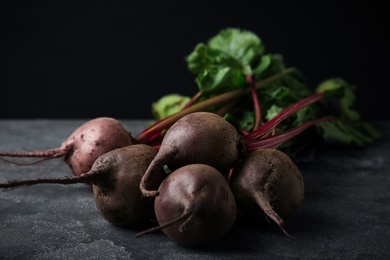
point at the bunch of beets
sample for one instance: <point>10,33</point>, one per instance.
<point>194,182</point>
<point>218,155</point>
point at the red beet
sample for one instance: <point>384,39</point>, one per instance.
<point>115,178</point>
<point>195,206</point>
<point>200,137</point>
<point>268,182</point>
<point>85,144</point>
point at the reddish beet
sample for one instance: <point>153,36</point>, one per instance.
<point>200,137</point>
<point>85,144</point>
<point>115,178</point>
<point>267,181</point>
<point>195,206</point>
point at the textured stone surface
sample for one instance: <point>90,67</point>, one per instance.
<point>345,215</point>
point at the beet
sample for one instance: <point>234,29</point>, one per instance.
<point>115,178</point>
<point>85,144</point>
<point>195,206</point>
<point>267,181</point>
<point>200,137</point>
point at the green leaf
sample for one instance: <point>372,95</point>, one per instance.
<point>273,111</point>
<point>168,105</point>
<point>356,133</point>
<point>218,79</point>
<point>226,59</point>
<point>270,64</point>
<point>305,114</point>
<point>199,59</point>
<point>242,45</point>
<point>223,64</point>
<point>263,65</point>
<point>245,121</point>
<point>346,97</point>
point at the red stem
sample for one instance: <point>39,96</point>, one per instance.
<point>276,140</point>
<point>191,101</point>
<point>256,102</point>
<point>271,124</point>
<point>147,135</point>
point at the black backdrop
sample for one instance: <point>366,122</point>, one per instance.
<point>84,59</point>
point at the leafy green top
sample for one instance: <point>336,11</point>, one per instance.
<point>232,56</point>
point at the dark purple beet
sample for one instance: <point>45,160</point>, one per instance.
<point>200,137</point>
<point>115,178</point>
<point>195,206</point>
<point>267,181</point>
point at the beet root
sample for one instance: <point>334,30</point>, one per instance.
<point>85,144</point>
<point>115,178</point>
<point>117,195</point>
<point>267,181</point>
<point>197,138</point>
<point>195,206</point>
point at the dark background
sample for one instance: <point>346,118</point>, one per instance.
<point>84,59</point>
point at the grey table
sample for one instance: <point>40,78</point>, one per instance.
<point>345,215</point>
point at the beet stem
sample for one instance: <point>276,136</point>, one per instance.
<point>225,108</point>
<point>160,125</point>
<point>191,101</point>
<point>275,140</point>
<point>256,102</point>
<point>269,125</point>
